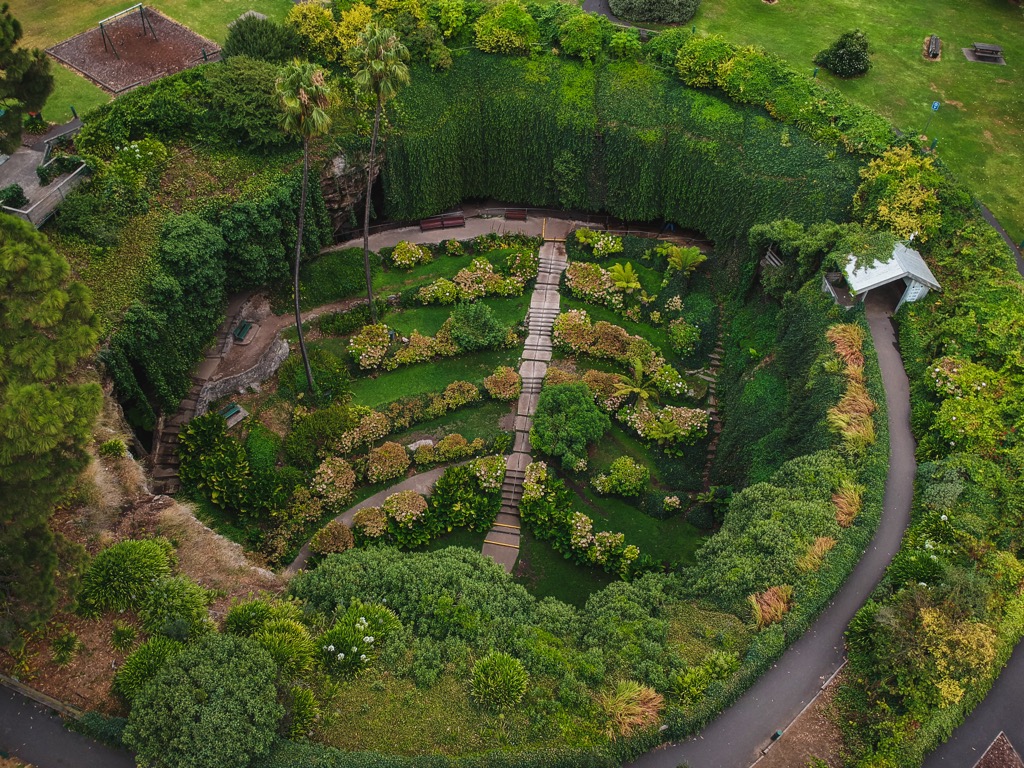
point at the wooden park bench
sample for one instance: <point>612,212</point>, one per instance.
<point>230,410</point>
<point>242,330</point>
<point>515,214</point>
<point>987,51</point>
<point>934,47</point>
<point>434,222</point>
<point>453,220</point>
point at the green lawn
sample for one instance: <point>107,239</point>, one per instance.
<point>980,125</point>
<point>428,320</point>
<point>46,22</point>
<point>471,421</point>
<point>673,540</point>
<point>546,573</point>
<point>429,377</point>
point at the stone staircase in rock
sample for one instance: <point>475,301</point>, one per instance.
<point>714,419</point>
<point>163,460</point>
<point>502,541</point>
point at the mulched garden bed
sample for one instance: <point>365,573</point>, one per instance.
<point>140,58</point>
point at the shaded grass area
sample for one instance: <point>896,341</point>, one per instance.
<point>617,443</point>
<point>427,377</point>
<point>471,421</point>
<point>980,126</point>
<point>672,541</point>
<point>695,631</point>
<point>428,320</point>
<point>70,89</point>
<point>380,712</point>
<point>546,573</point>
<point>394,280</point>
<point>460,537</point>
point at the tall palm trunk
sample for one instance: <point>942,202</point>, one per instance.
<point>366,213</point>
<point>298,257</point>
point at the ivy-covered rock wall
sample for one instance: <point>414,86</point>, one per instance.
<point>621,137</point>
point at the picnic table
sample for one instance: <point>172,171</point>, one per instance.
<point>987,51</point>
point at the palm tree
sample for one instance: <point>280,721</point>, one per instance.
<point>305,96</point>
<point>639,386</point>
<point>380,60</point>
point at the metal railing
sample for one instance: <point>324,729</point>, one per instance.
<point>37,213</point>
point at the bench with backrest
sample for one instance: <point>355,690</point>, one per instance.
<point>515,214</point>
<point>934,46</point>
<point>453,220</point>
<point>230,410</point>
<point>987,51</point>
<point>434,222</point>
<point>242,330</point>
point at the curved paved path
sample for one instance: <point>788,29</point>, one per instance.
<point>734,739</point>
<point>32,733</point>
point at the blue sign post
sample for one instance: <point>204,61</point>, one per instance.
<point>935,108</point>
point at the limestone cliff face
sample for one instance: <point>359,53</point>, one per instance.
<point>343,183</point>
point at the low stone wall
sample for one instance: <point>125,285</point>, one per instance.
<point>263,370</point>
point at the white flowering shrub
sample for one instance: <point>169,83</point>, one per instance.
<point>353,642</point>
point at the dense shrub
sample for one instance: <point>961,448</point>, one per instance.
<point>504,384</point>
<point>13,196</point>
<point>333,483</point>
<point>330,377</point>
<point>261,39</point>
<point>566,422</point>
<point>143,664</point>
<point>244,107</point>
<point>334,276</point>
<point>661,11</point>
<point>387,462</point>
<point>584,35</point>
<point>499,681</point>
<point>356,637</point>
<point>314,435</point>
<point>176,606</point>
<point>506,28</point>
<point>333,538</point>
<point>123,574</point>
<point>846,57</point>
<point>474,327</point>
<point>212,706</point>
<point>625,478</point>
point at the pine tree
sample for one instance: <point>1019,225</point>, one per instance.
<point>47,409</point>
<point>25,81</point>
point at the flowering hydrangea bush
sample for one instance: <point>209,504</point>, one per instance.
<point>670,427</point>
<point>684,336</point>
<point>523,264</point>
<point>407,255</point>
<point>405,508</point>
<point>333,538</point>
<point>504,384</point>
<point>370,427</point>
<point>601,244</point>
<point>369,347</point>
<point>672,504</point>
<point>441,291</point>
<point>589,282</point>
<point>668,381</point>
<point>455,395</point>
<point>387,462</point>
<point>370,524</point>
<point>489,472</point>
<point>352,643</point>
<point>333,482</point>
<point>535,481</point>
<point>625,478</point>
<point>574,332</point>
<point>454,248</point>
<point>606,388</point>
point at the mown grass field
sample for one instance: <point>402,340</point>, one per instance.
<point>980,123</point>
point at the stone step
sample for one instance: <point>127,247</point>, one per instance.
<point>508,518</point>
<point>510,527</point>
<point>540,355</point>
<point>165,473</point>
<point>522,442</point>
<point>503,536</point>
<point>518,460</point>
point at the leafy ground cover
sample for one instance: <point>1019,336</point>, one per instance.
<point>980,126</point>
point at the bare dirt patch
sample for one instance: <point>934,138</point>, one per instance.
<point>814,734</point>
<point>138,55</point>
